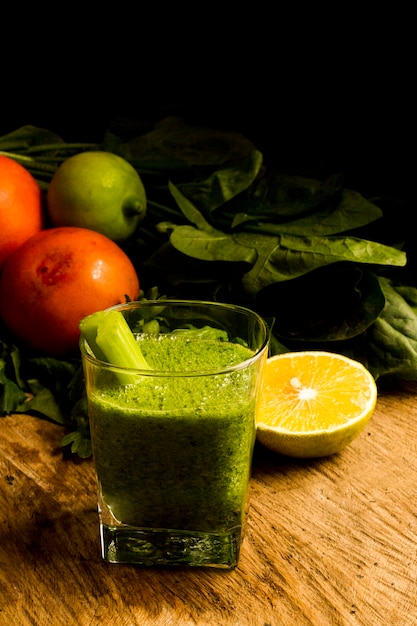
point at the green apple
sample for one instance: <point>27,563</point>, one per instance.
<point>97,190</point>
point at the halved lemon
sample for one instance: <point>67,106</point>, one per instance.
<point>313,403</point>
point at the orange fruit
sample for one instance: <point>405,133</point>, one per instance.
<point>313,403</point>
<point>21,206</point>
<point>55,279</point>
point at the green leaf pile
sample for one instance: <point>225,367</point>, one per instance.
<point>305,252</point>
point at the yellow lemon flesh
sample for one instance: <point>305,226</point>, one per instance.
<point>313,403</point>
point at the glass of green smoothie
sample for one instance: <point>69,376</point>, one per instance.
<point>172,389</point>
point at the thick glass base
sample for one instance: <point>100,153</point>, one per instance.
<point>150,547</point>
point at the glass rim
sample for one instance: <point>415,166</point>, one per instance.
<point>88,356</point>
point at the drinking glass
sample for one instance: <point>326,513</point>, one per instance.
<point>172,445</point>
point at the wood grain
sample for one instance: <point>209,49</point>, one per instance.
<point>328,542</point>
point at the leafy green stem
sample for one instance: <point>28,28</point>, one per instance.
<point>63,146</point>
<point>162,210</point>
<point>29,162</point>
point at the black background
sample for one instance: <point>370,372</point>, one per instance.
<point>331,92</point>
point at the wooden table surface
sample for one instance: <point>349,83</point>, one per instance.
<point>329,542</point>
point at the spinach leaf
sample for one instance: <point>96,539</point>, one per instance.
<point>349,212</point>
<point>204,242</point>
<point>287,196</point>
<point>213,245</point>
<point>12,385</point>
<point>331,304</point>
<point>288,256</point>
<point>43,401</point>
<point>223,184</point>
<point>27,138</point>
<point>31,384</point>
<point>172,145</point>
<point>392,339</point>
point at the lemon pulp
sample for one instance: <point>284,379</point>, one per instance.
<point>313,403</point>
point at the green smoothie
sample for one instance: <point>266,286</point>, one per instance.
<point>173,451</point>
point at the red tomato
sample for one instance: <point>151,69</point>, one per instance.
<point>56,278</point>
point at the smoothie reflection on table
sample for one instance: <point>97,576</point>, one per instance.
<point>173,443</point>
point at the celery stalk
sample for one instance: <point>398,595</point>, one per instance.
<point>88,327</point>
<point>110,339</point>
